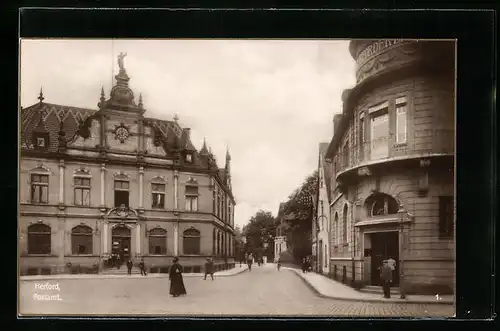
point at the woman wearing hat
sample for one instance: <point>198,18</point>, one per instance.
<point>176,282</point>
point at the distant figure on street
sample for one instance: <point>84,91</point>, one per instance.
<point>176,282</point>
<point>142,266</point>
<point>249,262</point>
<point>209,268</point>
<point>386,277</point>
<point>118,262</point>
<point>129,266</point>
<point>304,265</point>
<point>278,262</point>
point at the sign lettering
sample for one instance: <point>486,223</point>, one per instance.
<point>377,48</point>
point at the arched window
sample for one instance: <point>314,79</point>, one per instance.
<point>39,239</point>
<point>81,181</point>
<point>336,240</point>
<point>158,241</point>
<point>191,242</point>
<point>81,240</point>
<point>380,204</point>
<point>344,228</point>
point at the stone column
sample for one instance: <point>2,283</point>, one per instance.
<point>176,187</point>
<point>105,226</point>
<point>138,240</point>
<point>61,182</point>
<point>176,238</point>
<point>141,188</point>
<point>103,185</point>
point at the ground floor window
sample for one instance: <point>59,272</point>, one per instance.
<point>191,242</point>
<point>158,242</point>
<point>81,240</point>
<point>39,239</point>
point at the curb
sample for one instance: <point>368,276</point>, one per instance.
<point>373,300</point>
<point>101,276</point>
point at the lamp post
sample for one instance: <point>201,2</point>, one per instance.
<point>401,214</point>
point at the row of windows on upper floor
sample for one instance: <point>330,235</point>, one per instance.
<point>82,188</point>
<point>39,241</point>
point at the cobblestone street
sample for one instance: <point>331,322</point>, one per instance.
<point>263,291</point>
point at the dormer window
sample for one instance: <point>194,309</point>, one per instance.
<point>189,158</point>
<point>40,142</point>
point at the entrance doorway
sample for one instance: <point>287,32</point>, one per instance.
<point>120,237</point>
<point>384,245</point>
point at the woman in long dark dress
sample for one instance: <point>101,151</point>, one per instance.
<point>176,282</point>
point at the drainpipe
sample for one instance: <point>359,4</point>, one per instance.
<point>401,214</point>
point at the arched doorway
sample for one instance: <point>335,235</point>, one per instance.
<point>120,239</point>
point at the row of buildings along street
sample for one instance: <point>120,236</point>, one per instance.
<point>385,186</point>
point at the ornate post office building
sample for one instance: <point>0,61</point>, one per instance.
<point>110,181</point>
<point>392,156</point>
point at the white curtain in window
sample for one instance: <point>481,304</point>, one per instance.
<point>379,136</point>
<point>401,123</point>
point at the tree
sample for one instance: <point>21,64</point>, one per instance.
<point>259,233</point>
<point>299,211</point>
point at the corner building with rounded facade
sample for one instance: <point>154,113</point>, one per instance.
<point>96,183</point>
<point>392,159</point>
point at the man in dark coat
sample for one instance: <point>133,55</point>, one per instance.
<point>250,261</point>
<point>129,266</point>
<point>209,268</point>
<point>386,276</point>
<point>142,266</point>
<point>176,282</point>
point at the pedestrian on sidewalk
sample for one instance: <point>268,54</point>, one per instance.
<point>129,266</point>
<point>209,268</point>
<point>142,266</point>
<point>278,262</point>
<point>176,281</point>
<point>386,276</point>
<point>304,265</point>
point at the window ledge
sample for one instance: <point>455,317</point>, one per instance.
<point>396,145</point>
<point>194,255</point>
<point>81,255</point>
<point>38,255</point>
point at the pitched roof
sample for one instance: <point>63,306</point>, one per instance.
<point>48,116</point>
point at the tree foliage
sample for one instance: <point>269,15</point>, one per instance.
<point>298,211</point>
<point>260,229</point>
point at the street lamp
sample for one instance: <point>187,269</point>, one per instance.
<point>401,214</point>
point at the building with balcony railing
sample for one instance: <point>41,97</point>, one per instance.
<point>392,159</point>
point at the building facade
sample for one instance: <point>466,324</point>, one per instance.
<point>321,222</point>
<point>110,181</point>
<point>392,159</point>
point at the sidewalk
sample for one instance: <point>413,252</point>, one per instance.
<point>328,288</point>
<point>226,273</point>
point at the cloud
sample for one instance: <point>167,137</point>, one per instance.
<point>272,102</point>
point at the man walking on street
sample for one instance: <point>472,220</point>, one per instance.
<point>209,268</point>
<point>142,266</point>
<point>250,261</point>
<point>129,266</point>
<point>386,276</point>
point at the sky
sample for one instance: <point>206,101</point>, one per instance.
<point>271,102</point>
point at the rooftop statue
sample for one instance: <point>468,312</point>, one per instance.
<point>120,60</point>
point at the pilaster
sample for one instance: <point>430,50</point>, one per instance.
<point>141,190</point>
<point>62,168</point>
<point>102,206</point>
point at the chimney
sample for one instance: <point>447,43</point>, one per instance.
<point>336,121</point>
<point>187,132</point>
